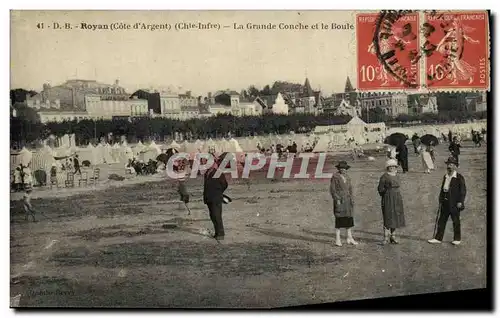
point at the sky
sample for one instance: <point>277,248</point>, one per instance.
<point>198,60</point>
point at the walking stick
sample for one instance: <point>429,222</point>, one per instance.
<point>189,211</point>
<point>436,222</point>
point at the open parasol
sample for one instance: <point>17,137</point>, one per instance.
<point>428,139</point>
<point>395,139</point>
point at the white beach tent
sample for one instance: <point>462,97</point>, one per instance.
<point>151,152</point>
<point>98,155</point>
<point>185,147</point>
<point>174,145</point>
<point>224,145</point>
<point>139,147</point>
<point>279,140</point>
<point>266,141</point>
<point>116,152</point>
<point>42,160</point>
<point>234,146</point>
<point>247,144</point>
<point>256,142</point>
<point>199,145</point>
<point>86,153</point>
<point>210,144</point>
<point>65,142</point>
<point>24,157</point>
<point>126,153</point>
<point>243,142</point>
<point>301,141</point>
<point>62,152</point>
<point>324,143</point>
<point>189,147</point>
<point>107,153</point>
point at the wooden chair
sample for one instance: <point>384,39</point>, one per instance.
<point>84,178</point>
<point>70,180</point>
<point>95,175</point>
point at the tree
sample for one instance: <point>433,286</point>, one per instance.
<point>375,115</point>
<point>244,94</point>
<point>26,131</point>
<point>283,86</point>
<point>19,95</point>
<point>266,91</point>
<point>253,91</point>
<point>25,112</point>
<point>404,118</point>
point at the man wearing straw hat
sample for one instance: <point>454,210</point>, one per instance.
<point>451,203</point>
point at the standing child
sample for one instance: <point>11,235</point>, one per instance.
<point>28,208</point>
<point>181,168</point>
<point>27,178</point>
<point>18,182</point>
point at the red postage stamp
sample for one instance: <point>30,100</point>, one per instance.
<point>388,50</point>
<point>456,50</point>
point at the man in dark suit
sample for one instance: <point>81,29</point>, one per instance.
<point>451,202</point>
<point>213,190</point>
<point>76,165</point>
<point>454,148</point>
<point>402,157</point>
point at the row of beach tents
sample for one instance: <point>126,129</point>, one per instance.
<point>44,157</point>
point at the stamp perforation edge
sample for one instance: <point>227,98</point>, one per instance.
<point>422,87</point>
<point>458,89</point>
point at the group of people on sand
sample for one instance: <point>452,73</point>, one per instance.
<point>427,152</point>
<point>21,178</point>
<point>451,202</point>
<point>451,196</point>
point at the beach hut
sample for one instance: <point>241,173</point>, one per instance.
<point>199,145</point>
<point>24,157</point>
<point>151,151</point>
<point>211,145</point>
<point>41,163</point>
<point>86,153</point>
<point>174,145</point>
<point>234,146</point>
<point>126,153</point>
<point>107,153</point>
<point>116,152</point>
<point>98,155</point>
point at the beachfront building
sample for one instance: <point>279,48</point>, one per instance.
<point>422,103</point>
<point>107,109</point>
<point>392,104</point>
<point>71,94</point>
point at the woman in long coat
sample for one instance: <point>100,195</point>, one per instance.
<point>343,203</point>
<point>392,202</point>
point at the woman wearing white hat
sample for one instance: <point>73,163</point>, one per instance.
<point>392,201</point>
